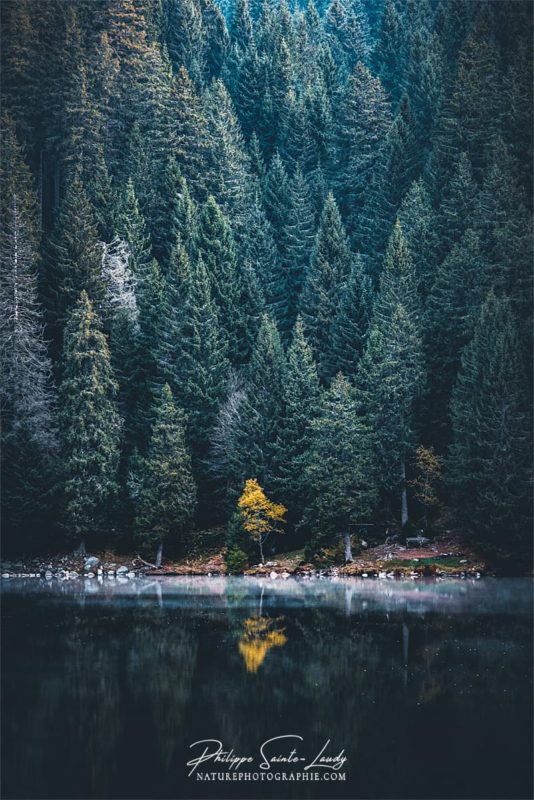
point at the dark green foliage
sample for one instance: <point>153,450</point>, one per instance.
<point>208,173</point>
<point>351,322</point>
<point>90,426</point>
<point>302,397</point>
<point>330,267</point>
<point>238,545</point>
<point>73,257</point>
<point>165,495</point>
<point>339,467</point>
<point>490,454</point>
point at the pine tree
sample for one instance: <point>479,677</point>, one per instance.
<point>329,268</point>
<point>299,236</point>
<point>389,382</point>
<point>489,462</point>
<point>200,366</point>
<point>418,222</point>
<point>361,124</point>
<point>73,258</point>
<point>29,430</point>
<point>90,426</point>
<point>302,395</point>
<point>351,323</point>
<point>229,166</point>
<point>460,286</point>
<point>339,469</point>
<point>166,498</point>
<point>216,247</point>
<point>257,438</point>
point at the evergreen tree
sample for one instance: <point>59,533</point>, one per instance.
<point>216,248</point>
<point>90,426</point>
<point>302,396</point>
<point>351,322</point>
<point>258,443</point>
<point>389,381</point>
<point>362,122</point>
<point>329,268</point>
<point>166,498</point>
<point>199,368</point>
<point>418,222</point>
<point>29,430</point>
<point>73,258</point>
<point>339,469</point>
<point>489,463</point>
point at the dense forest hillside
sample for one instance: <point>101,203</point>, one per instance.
<point>289,243</point>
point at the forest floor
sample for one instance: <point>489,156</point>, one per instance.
<point>446,555</point>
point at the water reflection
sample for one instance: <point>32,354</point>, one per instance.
<point>105,686</point>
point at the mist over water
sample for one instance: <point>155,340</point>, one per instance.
<point>426,686</point>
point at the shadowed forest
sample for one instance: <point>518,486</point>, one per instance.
<point>254,241</point>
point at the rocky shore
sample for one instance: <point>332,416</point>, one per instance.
<point>446,556</point>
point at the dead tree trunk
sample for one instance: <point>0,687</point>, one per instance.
<point>159,555</point>
<point>404,495</point>
<point>348,548</point>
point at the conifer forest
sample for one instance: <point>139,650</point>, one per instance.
<point>266,265</point>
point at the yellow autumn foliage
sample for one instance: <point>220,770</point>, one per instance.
<point>258,637</point>
<point>260,516</point>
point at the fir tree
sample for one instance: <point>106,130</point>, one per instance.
<point>339,469</point>
<point>489,463</point>
<point>29,429</point>
<point>216,248</point>
<point>73,258</point>
<point>351,322</point>
<point>329,268</point>
<point>90,426</point>
<point>166,497</point>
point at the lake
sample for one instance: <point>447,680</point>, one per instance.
<point>367,688</point>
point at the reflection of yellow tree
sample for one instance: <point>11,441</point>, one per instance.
<point>259,635</point>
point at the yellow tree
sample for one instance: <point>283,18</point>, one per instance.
<point>260,516</point>
<point>428,466</point>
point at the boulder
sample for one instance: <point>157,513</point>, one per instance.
<point>91,563</point>
<point>122,570</point>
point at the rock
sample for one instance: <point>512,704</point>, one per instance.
<point>91,563</point>
<point>363,543</point>
<point>381,574</point>
<point>285,574</point>
<point>364,575</point>
<point>463,561</point>
<point>90,575</point>
<point>48,576</point>
<point>122,570</point>
<point>273,575</point>
<point>73,574</point>
<point>131,574</point>
<point>5,575</point>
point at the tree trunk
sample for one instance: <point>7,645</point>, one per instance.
<point>159,555</point>
<point>348,549</point>
<point>404,495</point>
<point>261,549</point>
<point>80,550</point>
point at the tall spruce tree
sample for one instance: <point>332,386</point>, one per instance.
<point>330,267</point>
<point>351,322</point>
<point>165,496</point>
<point>339,469</point>
<point>90,426</point>
<point>29,428</point>
<point>489,462</point>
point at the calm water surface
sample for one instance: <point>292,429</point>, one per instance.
<point>425,688</point>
